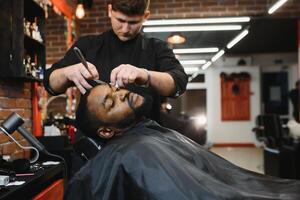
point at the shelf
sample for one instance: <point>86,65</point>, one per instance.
<point>32,9</point>
<point>22,78</point>
<point>32,43</point>
<point>16,45</point>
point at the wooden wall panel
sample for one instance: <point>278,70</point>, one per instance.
<point>235,106</point>
<point>53,192</point>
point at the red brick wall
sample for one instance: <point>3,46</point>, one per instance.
<point>15,96</point>
<point>56,37</point>
<point>208,8</point>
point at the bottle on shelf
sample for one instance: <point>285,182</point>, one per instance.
<point>33,70</point>
<point>28,67</point>
<point>35,33</point>
<point>27,28</point>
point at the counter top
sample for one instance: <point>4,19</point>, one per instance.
<point>34,184</point>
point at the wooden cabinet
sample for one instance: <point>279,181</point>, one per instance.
<point>22,46</point>
<point>53,192</point>
<point>46,183</point>
<point>235,96</point>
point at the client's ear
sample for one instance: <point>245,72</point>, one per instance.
<point>105,132</point>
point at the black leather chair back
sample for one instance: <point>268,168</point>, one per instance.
<point>269,130</point>
<point>86,148</point>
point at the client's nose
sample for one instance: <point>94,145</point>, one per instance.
<point>121,94</point>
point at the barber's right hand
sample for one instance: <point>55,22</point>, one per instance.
<point>78,74</point>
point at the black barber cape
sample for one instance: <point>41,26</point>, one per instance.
<point>156,163</point>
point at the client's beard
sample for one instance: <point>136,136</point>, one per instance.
<point>138,112</point>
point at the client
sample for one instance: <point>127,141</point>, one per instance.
<point>143,160</point>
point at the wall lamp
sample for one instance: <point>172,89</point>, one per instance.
<point>196,50</point>
<point>217,20</point>
<point>191,28</point>
<point>192,62</point>
<point>238,38</point>
<point>218,55</point>
<point>206,65</point>
<point>191,70</point>
<point>275,6</point>
<point>80,13</point>
<point>176,38</point>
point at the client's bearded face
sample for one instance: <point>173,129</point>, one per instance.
<point>118,108</point>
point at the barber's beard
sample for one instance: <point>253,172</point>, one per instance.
<point>138,113</point>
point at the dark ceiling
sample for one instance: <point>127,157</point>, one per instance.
<point>269,35</point>
<point>266,35</point>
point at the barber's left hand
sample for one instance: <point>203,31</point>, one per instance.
<point>125,74</point>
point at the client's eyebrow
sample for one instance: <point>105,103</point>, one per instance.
<point>103,100</point>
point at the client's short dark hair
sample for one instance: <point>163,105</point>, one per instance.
<point>86,121</point>
<point>130,7</point>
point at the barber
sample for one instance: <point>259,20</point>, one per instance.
<point>121,56</point>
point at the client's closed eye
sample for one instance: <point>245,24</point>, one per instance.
<point>109,103</point>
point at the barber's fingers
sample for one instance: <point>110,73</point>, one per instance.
<point>114,73</point>
<point>116,76</point>
<point>84,83</point>
<point>80,87</point>
<point>128,76</point>
<point>81,84</point>
<point>94,73</point>
<point>77,71</point>
<point>78,75</point>
<point>124,74</point>
<point>132,76</point>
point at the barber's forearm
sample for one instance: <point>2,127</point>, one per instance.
<point>58,81</point>
<point>162,83</point>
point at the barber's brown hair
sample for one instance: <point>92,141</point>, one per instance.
<point>130,7</point>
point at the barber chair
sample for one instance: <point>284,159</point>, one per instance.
<point>86,148</point>
<point>281,152</point>
<point>269,130</point>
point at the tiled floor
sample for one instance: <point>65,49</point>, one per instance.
<point>248,158</point>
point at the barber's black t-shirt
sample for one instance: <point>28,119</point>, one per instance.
<point>107,52</point>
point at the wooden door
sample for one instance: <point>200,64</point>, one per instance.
<point>235,98</point>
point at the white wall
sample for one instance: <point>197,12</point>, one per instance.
<point>231,131</point>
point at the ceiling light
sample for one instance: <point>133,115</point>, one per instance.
<point>196,21</point>
<point>168,106</point>
<point>217,56</point>
<point>176,39</point>
<point>196,50</point>
<point>192,62</point>
<point>191,70</point>
<point>277,5</point>
<point>206,65</point>
<point>80,13</point>
<point>199,120</point>
<point>192,28</point>
<point>237,39</point>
